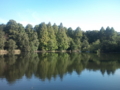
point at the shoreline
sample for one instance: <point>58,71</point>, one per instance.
<point>59,51</point>
<point>5,52</point>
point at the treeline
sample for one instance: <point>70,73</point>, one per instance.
<point>47,37</point>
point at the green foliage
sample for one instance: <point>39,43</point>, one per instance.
<point>2,27</point>
<point>108,46</point>
<point>72,45</point>
<point>11,44</point>
<point>43,36</point>
<point>47,37</point>
<point>78,33</point>
<point>85,46</point>
<point>110,33</point>
<point>77,38</point>
<point>70,32</point>
<point>95,46</point>
<point>22,39</point>
<point>2,39</point>
<point>16,32</point>
<point>102,34</point>
<point>92,35</point>
<point>52,42</point>
<point>11,27</point>
<point>55,28</point>
<point>62,38</point>
<point>33,38</point>
<point>23,42</point>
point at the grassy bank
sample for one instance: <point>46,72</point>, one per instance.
<point>4,52</point>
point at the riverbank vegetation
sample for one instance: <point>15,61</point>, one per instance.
<point>47,37</point>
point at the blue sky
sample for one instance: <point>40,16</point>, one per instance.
<point>87,14</point>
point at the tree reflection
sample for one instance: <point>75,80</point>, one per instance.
<point>51,65</point>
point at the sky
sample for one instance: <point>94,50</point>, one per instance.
<point>86,14</point>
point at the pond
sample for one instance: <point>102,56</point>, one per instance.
<point>60,71</point>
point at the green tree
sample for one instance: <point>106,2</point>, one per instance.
<point>2,27</point>
<point>109,46</point>
<point>95,46</point>
<point>11,44</point>
<point>55,28</point>
<point>85,45</point>
<point>2,39</point>
<point>33,38</point>
<point>78,33</point>
<point>110,34</point>
<point>70,32</point>
<point>62,38</point>
<point>109,40</point>
<point>43,36</point>
<point>77,38</point>
<point>118,43</point>
<point>17,32</point>
<point>92,35</point>
<point>36,28</point>
<point>52,42</point>
<point>72,45</point>
<point>23,42</point>
<point>102,34</point>
<point>22,39</point>
<point>11,27</point>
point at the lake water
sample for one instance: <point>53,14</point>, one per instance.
<point>60,71</point>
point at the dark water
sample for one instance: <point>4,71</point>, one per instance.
<point>60,71</point>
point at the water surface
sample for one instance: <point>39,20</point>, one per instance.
<point>60,71</point>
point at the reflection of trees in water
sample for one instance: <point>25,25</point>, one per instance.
<point>2,65</point>
<point>51,65</point>
<point>20,67</point>
<point>105,63</point>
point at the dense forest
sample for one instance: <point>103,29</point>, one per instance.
<point>47,37</point>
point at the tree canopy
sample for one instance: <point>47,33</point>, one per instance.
<point>47,37</point>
